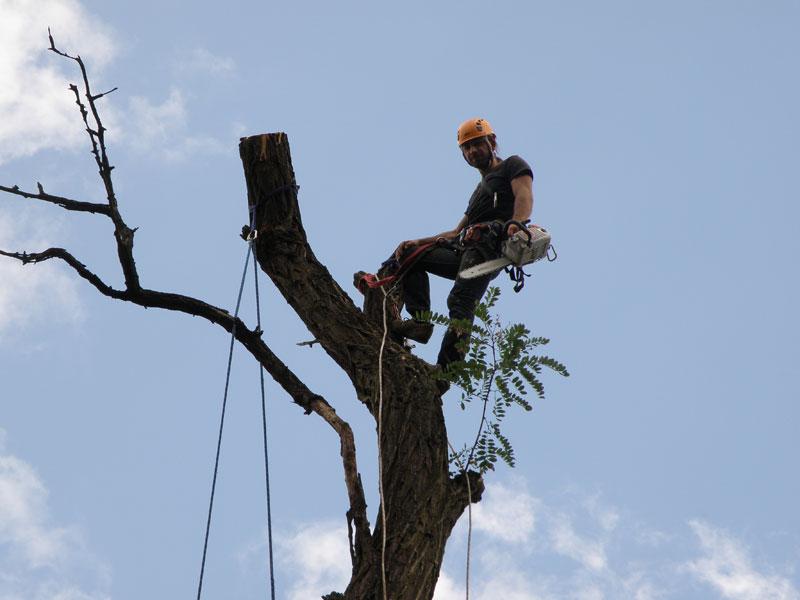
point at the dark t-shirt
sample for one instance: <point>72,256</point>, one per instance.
<point>496,184</point>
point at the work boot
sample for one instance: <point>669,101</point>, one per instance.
<point>419,331</point>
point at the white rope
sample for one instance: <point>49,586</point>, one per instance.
<point>469,514</point>
<point>380,452</point>
<point>469,530</point>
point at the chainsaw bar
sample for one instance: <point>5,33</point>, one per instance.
<point>522,248</point>
<point>484,268</point>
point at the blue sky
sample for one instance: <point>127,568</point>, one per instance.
<point>663,138</point>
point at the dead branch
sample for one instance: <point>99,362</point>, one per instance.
<point>425,503</point>
<point>134,293</point>
<point>96,131</point>
<point>357,515</point>
<point>79,267</point>
<point>309,343</point>
<point>66,203</point>
<point>250,339</point>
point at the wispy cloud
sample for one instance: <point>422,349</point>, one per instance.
<point>33,293</point>
<point>202,60</point>
<point>727,567</point>
<point>154,122</point>
<point>162,129</point>
<point>39,560</point>
<point>590,553</point>
<point>37,109</point>
<point>573,546</point>
<point>23,498</point>
<point>39,112</point>
<point>319,559</point>
<point>608,555</point>
<point>506,513</point>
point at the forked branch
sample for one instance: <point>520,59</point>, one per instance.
<point>67,203</point>
<point>250,339</point>
<point>97,135</point>
<point>134,293</point>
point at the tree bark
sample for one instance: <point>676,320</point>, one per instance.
<point>421,500</point>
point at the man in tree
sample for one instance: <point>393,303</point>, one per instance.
<point>505,192</point>
<point>401,557</point>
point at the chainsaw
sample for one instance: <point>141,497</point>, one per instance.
<point>529,244</point>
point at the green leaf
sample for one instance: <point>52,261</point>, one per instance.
<point>500,368</point>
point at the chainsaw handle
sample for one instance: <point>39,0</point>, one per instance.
<point>522,227</point>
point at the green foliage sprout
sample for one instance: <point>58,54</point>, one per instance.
<point>499,370</point>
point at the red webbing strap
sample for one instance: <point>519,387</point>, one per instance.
<point>372,281</point>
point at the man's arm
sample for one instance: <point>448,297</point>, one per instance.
<point>522,187</point>
<point>445,235</point>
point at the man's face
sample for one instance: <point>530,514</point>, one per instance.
<point>478,153</point>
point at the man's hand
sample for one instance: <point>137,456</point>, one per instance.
<point>405,246</point>
<point>512,229</point>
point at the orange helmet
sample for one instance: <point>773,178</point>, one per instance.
<point>473,128</point>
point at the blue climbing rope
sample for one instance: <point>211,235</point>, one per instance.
<point>264,429</point>
<point>250,251</point>
<point>222,422</point>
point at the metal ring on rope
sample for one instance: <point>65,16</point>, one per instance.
<point>251,236</point>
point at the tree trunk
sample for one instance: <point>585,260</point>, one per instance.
<point>422,501</point>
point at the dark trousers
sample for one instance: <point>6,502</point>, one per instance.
<point>447,262</point>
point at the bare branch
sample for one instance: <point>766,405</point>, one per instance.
<point>250,339</point>
<point>96,131</point>
<point>413,421</point>
<point>67,203</point>
<point>309,343</point>
<point>98,96</point>
<point>78,266</point>
<point>357,514</point>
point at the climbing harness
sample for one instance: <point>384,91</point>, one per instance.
<point>397,268</point>
<point>528,245</point>
<point>249,234</point>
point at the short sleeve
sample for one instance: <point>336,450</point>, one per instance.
<point>517,167</point>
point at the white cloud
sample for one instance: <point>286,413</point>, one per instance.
<point>319,559</point>
<point>153,123</point>
<point>726,566</point>
<point>23,498</point>
<point>162,129</point>
<point>566,541</point>
<point>447,588</point>
<point>38,110</point>
<point>34,292</point>
<point>589,593</point>
<point>508,584</point>
<point>39,561</point>
<point>506,513</point>
<point>203,61</point>
<point>607,517</point>
<point>531,565</point>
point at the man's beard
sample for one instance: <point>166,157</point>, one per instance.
<point>483,162</point>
